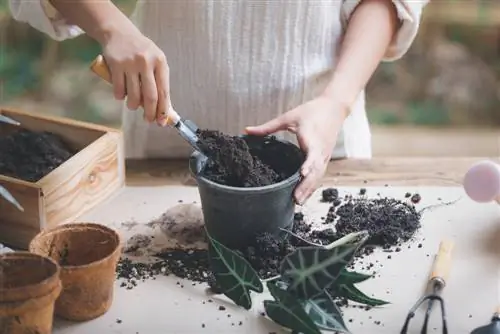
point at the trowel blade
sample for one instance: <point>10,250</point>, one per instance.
<point>492,328</point>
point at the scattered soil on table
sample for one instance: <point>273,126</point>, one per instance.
<point>234,162</point>
<point>416,198</point>
<point>30,156</point>
<point>389,221</point>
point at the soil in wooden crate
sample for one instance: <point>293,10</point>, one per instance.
<point>30,156</point>
<point>232,162</point>
<point>400,219</point>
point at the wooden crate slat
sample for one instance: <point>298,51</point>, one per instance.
<point>89,178</point>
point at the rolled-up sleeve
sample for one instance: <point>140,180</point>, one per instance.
<point>409,14</point>
<point>41,15</point>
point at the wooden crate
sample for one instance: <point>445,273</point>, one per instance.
<point>88,178</point>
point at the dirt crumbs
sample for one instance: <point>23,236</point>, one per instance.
<point>233,163</point>
<point>189,264</point>
<point>390,222</point>
<point>29,155</point>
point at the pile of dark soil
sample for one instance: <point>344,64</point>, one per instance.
<point>233,162</point>
<point>30,156</point>
<point>389,221</point>
<point>264,255</point>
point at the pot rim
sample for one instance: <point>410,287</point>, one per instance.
<point>76,225</point>
<point>27,289</point>
<point>294,178</point>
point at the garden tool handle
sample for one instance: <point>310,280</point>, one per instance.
<point>442,262</point>
<point>100,68</point>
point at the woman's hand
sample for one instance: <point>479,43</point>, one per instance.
<point>316,125</point>
<point>139,71</point>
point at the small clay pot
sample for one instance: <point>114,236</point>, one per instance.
<point>29,287</point>
<point>234,216</point>
<point>88,254</point>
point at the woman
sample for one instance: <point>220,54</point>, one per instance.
<point>295,65</point>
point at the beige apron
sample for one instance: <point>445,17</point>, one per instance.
<point>239,63</point>
<point>235,63</point>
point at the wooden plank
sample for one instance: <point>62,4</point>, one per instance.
<point>396,171</point>
<point>408,141</point>
<point>89,178</point>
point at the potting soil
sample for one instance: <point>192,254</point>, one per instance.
<point>389,221</point>
<point>232,163</point>
<point>29,155</point>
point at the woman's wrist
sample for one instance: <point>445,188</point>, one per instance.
<point>119,24</point>
<point>337,98</point>
<point>99,19</point>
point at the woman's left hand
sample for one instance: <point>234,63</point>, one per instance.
<point>316,125</point>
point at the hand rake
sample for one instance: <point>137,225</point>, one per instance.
<point>437,281</point>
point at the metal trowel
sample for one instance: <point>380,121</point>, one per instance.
<point>186,128</point>
<point>492,328</point>
<point>8,120</point>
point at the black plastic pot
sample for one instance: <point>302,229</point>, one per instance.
<point>234,216</point>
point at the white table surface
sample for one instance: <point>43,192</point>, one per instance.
<point>162,306</point>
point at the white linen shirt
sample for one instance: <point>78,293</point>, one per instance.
<point>238,63</point>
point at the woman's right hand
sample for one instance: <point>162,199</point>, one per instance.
<point>139,71</point>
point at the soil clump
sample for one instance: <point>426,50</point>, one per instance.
<point>233,162</point>
<point>389,221</point>
<point>29,155</point>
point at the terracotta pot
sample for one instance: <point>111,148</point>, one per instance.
<point>29,286</point>
<point>88,254</point>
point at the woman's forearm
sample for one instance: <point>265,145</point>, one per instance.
<point>98,19</point>
<point>370,31</point>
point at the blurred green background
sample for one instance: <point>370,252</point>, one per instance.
<point>449,79</point>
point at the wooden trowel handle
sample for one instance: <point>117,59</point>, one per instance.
<point>100,68</point>
<point>442,262</point>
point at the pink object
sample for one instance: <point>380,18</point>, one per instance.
<point>482,182</point>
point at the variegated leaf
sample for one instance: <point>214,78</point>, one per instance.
<point>352,293</point>
<point>325,313</point>
<point>287,311</point>
<point>234,275</point>
<point>351,277</point>
<point>310,270</point>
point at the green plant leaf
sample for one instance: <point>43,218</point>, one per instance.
<point>355,237</point>
<point>287,311</point>
<point>309,270</point>
<point>325,313</point>
<point>307,242</point>
<point>351,277</point>
<point>352,293</point>
<point>234,275</point>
